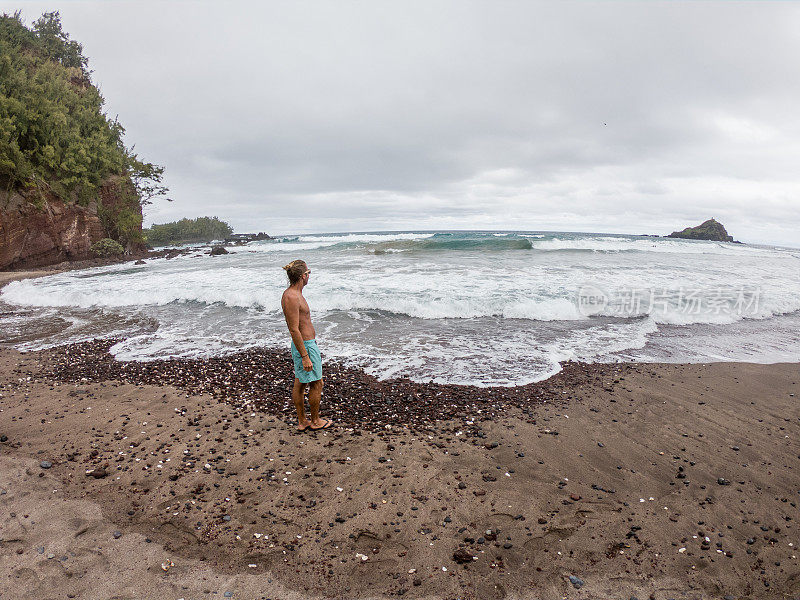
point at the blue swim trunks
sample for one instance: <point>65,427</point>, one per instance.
<point>316,360</point>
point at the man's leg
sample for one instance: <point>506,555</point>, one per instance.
<point>314,397</point>
<point>297,395</point>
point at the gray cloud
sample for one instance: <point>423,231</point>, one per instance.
<point>606,116</point>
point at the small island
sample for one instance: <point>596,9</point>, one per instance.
<point>711,230</point>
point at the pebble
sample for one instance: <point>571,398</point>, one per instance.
<point>462,556</point>
<point>45,464</point>
<point>576,582</point>
<point>349,392</point>
<point>117,535</point>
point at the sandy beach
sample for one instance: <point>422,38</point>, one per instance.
<point>187,479</point>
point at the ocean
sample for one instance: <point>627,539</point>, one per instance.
<point>478,307</point>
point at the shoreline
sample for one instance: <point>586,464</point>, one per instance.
<point>351,392</point>
<point>408,403</point>
<point>10,274</point>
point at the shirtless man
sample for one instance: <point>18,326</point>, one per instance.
<point>307,361</point>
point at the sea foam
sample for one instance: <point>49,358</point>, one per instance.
<point>471,307</point>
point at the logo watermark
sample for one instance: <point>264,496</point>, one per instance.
<point>742,301</point>
<point>591,300</point>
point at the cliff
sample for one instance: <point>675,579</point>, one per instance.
<point>67,179</point>
<point>708,230</point>
<point>55,231</point>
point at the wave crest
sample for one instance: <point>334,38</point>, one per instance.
<point>447,241</point>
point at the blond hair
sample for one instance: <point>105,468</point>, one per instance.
<point>295,270</point>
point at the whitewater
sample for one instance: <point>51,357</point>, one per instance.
<point>480,308</point>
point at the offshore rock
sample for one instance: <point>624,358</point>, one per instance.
<point>711,230</point>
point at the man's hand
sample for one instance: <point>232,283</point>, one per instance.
<point>307,364</point>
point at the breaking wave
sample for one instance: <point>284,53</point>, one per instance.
<point>468,307</point>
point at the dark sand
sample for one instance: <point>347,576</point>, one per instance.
<point>662,481</point>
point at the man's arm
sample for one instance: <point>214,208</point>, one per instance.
<point>291,311</point>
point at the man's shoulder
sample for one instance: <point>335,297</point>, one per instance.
<point>292,295</point>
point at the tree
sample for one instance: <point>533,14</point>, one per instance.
<point>56,43</point>
<point>55,138</point>
<point>147,179</point>
<point>201,229</point>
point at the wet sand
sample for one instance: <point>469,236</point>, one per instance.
<point>187,479</point>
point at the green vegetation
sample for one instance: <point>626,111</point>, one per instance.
<point>107,247</point>
<point>201,229</point>
<point>54,137</point>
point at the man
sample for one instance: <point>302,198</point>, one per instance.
<point>307,360</point>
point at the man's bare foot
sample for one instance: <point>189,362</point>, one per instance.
<point>320,424</point>
<point>304,425</point>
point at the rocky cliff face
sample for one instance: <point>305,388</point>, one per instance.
<point>59,231</point>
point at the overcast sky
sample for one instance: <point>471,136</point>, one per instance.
<point>292,117</point>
